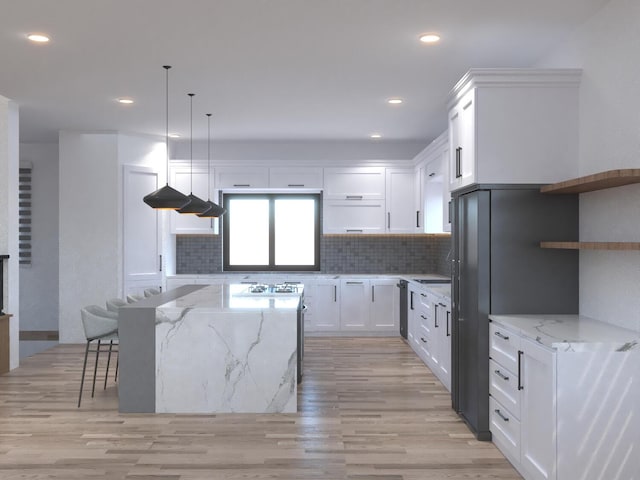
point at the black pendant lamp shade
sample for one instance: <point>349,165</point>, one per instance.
<point>196,205</point>
<point>213,209</point>
<point>166,198</point>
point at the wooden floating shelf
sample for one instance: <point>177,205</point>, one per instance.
<point>592,245</point>
<point>598,181</point>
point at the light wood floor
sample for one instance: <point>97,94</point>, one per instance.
<point>368,410</point>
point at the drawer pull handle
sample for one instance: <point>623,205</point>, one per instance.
<point>295,185</point>
<point>501,375</point>
<point>506,419</point>
<point>423,340</point>
<point>423,295</point>
<point>500,335</point>
<point>241,184</point>
<point>353,197</point>
<point>423,317</point>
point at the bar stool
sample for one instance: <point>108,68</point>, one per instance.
<point>102,326</point>
<point>134,298</point>
<point>149,292</point>
<point>113,304</point>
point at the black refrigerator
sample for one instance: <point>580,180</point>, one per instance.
<point>498,267</point>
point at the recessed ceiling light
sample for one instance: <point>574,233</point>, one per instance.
<point>395,101</point>
<point>126,101</point>
<point>38,37</point>
<point>174,135</point>
<point>429,38</point>
<point>375,135</point>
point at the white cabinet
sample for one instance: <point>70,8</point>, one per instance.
<point>513,126</point>
<point>522,387</point>
<point>432,194</point>
<point>442,323</point>
<point>429,330</point>
<point>400,184</point>
<point>357,183</point>
<point>353,216</point>
<point>462,141</point>
<point>322,298</point>
<point>354,304</point>
<point>184,224</point>
<point>242,177</point>
<point>384,308</point>
<point>295,177</point>
<point>354,200</point>
<point>538,411</point>
<point>436,194</point>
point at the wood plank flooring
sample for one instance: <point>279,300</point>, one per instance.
<point>368,410</point>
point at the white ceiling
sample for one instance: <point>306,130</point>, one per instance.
<point>266,69</point>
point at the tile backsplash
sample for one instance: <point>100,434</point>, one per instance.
<point>365,254</point>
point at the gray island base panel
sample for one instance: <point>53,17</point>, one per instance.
<point>209,349</point>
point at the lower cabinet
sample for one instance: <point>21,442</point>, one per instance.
<point>322,298</point>
<point>429,330</point>
<point>566,410</point>
<point>522,387</point>
<point>369,305</point>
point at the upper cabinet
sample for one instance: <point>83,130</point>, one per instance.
<point>432,185</point>
<point>513,126</point>
<point>295,177</point>
<point>242,177</point>
<point>400,184</point>
<point>357,183</point>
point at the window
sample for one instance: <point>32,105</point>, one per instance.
<point>271,232</point>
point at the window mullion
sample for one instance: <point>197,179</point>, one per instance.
<point>272,232</point>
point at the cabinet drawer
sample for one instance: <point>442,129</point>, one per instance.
<point>503,386</point>
<point>505,430</point>
<point>504,346</point>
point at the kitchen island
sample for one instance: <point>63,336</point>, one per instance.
<point>210,349</point>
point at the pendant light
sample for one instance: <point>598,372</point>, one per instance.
<point>214,210</point>
<point>166,198</point>
<point>196,205</point>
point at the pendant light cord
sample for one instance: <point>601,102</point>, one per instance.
<point>191,138</point>
<point>167,67</point>
<point>209,155</point>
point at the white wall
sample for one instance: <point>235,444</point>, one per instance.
<point>9,135</point>
<point>39,281</point>
<point>89,255</point>
<point>301,152</point>
<point>91,219</point>
<point>606,48</point>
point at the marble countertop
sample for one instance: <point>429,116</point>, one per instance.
<point>231,297</point>
<point>266,275</point>
<point>571,333</point>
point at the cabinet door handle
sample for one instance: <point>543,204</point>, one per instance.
<point>423,340</point>
<point>241,184</point>
<point>356,230</point>
<point>160,269</point>
<point>501,375</point>
<point>520,386</point>
<point>423,317</point>
<point>435,315</point>
<point>506,419</point>
<point>448,319</point>
<point>411,299</point>
<point>458,162</point>
<point>335,293</point>
<point>373,293</point>
<point>417,218</point>
<point>389,220</point>
<point>295,185</point>
<point>502,336</point>
<point>354,197</point>
<point>354,283</point>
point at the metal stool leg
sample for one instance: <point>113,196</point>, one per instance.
<point>84,368</point>
<point>117,363</point>
<point>106,375</point>
<point>95,370</point>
